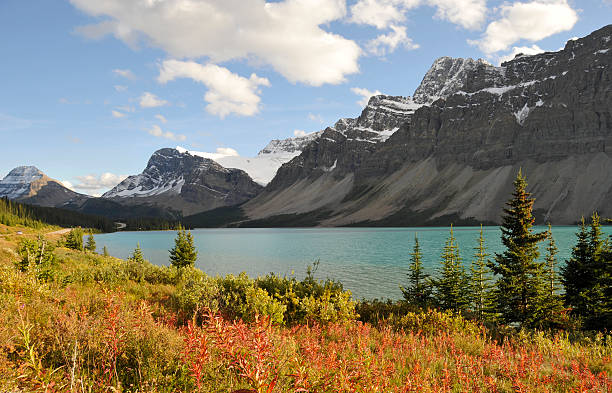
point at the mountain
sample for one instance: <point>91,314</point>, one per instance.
<point>263,167</point>
<point>183,183</point>
<point>29,185</point>
<point>450,153</point>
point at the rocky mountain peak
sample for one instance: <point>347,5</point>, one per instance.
<point>449,75</point>
<point>18,182</point>
<point>289,145</point>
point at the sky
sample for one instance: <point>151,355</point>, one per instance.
<point>89,89</point>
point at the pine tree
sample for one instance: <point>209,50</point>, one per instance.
<point>574,273</point>
<point>184,253</point>
<point>521,276</point>
<point>91,243</point>
<point>418,291</point>
<point>451,285</point>
<point>586,277</point>
<point>481,287</point>
<point>552,304</point>
<point>105,252</point>
<point>137,254</point>
<point>74,239</point>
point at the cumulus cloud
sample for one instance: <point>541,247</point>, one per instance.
<point>299,133</point>
<point>117,114</point>
<point>531,21</point>
<point>287,35</point>
<point>124,73</point>
<point>91,183</point>
<point>150,100</point>
<point>158,132</point>
<point>365,94</point>
<point>161,118</point>
<point>525,50</point>
<point>382,14</point>
<point>67,184</point>
<point>388,43</point>
<point>227,92</point>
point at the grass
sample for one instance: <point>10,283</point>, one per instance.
<point>101,324</point>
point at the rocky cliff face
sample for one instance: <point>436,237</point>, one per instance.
<point>453,150</point>
<point>184,183</point>
<point>29,185</point>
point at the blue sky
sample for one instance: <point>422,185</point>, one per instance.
<point>90,88</point>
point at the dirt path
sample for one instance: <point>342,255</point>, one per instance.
<point>60,232</point>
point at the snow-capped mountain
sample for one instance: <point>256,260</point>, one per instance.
<point>186,183</point>
<point>262,168</point>
<point>29,184</point>
<point>18,183</point>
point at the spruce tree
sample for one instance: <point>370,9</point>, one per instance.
<point>91,243</point>
<point>418,291</point>
<point>596,313</point>
<point>552,304</point>
<point>481,286</point>
<point>521,276</point>
<point>137,254</point>
<point>184,253</point>
<point>574,275</point>
<point>452,284</point>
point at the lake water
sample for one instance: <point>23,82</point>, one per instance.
<point>371,262</point>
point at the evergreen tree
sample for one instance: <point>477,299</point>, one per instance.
<point>137,254</point>
<point>418,291</point>
<point>452,284</point>
<point>74,239</point>
<point>184,253</point>
<point>91,243</point>
<point>574,274</point>
<point>586,277</point>
<point>105,252</point>
<point>552,306</point>
<point>521,276</point>
<point>481,287</point>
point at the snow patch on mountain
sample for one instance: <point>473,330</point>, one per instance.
<point>18,182</point>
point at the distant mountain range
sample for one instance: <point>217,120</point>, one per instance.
<point>448,154</point>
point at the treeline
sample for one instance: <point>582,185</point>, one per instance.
<point>15,213</point>
<point>516,287</point>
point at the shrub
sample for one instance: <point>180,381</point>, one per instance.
<point>432,322</point>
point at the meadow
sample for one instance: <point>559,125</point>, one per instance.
<point>91,323</point>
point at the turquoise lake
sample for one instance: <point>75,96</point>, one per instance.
<point>371,262</point>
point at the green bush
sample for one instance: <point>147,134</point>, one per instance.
<point>431,322</point>
<point>37,257</point>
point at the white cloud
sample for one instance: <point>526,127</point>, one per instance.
<point>158,132</point>
<point>124,73</point>
<point>126,108</point>
<point>227,92</point>
<point>161,118</point>
<point>469,14</point>
<point>299,133</point>
<point>150,100</point>
<point>525,50</point>
<point>67,184</point>
<point>94,182</point>
<point>120,88</point>
<point>286,35</point>
<point>117,114</point>
<point>366,94</point>
<point>382,14</point>
<point>388,43</point>
<point>531,21</point>
<point>317,118</point>
<point>220,152</point>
